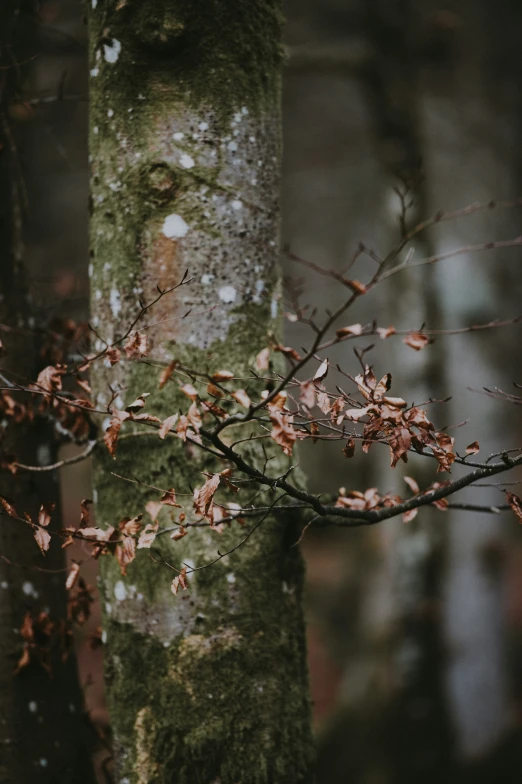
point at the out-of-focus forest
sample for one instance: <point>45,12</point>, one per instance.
<point>414,631</point>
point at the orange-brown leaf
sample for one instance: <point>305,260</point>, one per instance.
<point>515,502</point>
<point>416,340</point>
<point>167,373</point>
<point>167,425</point>
<point>136,345</point>
<point>473,448</point>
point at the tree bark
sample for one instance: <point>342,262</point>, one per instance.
<point>209,685</point>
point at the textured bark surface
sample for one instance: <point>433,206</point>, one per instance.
<point>209,685</point>
<point>43,734</point>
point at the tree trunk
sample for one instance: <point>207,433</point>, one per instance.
<point>43,734</point>
<point>209,685</point>
<point>422,729</point>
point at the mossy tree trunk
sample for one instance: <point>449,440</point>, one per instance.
<point>209,685</point>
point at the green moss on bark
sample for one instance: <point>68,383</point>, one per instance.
<point>224,54</point>
<point>209,685</point>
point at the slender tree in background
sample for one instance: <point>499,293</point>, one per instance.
<point>210,685</point>
<point>421,740</point>
<point>43,735</point>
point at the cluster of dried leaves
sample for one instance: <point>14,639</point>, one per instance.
<point>272,407</point>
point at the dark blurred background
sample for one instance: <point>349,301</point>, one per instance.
<point>415,631</point>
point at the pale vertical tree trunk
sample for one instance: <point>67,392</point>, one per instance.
<point>210,685</point>
<point>423,738</point>
<point>43,735</point>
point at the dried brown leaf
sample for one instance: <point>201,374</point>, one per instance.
<point>169,498</point>
<point>203,496</point>
<point>190,391</point>
<point>289,352</point>
<point>322,371</point>
<point>473,448</point>
<point>241,397</point>
<point>43,539</point>
<point>179,582</point>
<point>44,515</point>
<point>9,508</point>
<point>416,340</point>
<point>147,536</point>
<point>263,359</point>
<point>138,404</point>
<point>282,432</point>
<point>515,502</point>
<point>72,576</point>
<point>166,373</point>
<point>353,329</point>
<point>167,425</point>
<point>356,286</point>
<point>410,515</point>
<point>222,375</point>
<point>412,484</point>
<point>385,332</point>
<point>136,345</point>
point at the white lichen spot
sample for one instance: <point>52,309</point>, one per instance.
<point>43,762</point>
<point>115,186</point>
<point>253,181</point>
<point>244,110</point>
<point>94,3</point>
<point>227,294</point>
<point>238,117</point>
<point>251,139</point>
<point>72,708</point>
<point>95,72</point>
<point>237,204</point>
<point>186,161</point>
<point>43,455</point>
<point>231,578</point>
<point>4,584</point>
<point>110,113</point>
<point>111,52</point>
<point>174,227</point>
<point>108,608</point>
<point>203,126</point>
<point>98,295</point>
<point>106,266</point>
<point>120,592</point>
<point>95,129</point>
<point>178,136</point>
<point>29,590</point>
<point>260,287</point>
<point>91,270</point>
<point>232,146</point>
<point>207,278</point>
<point>273,308</point>
<point>104,636</point>
<point>95,496</point>
<point>33,706</point>
<point>115,302</point>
